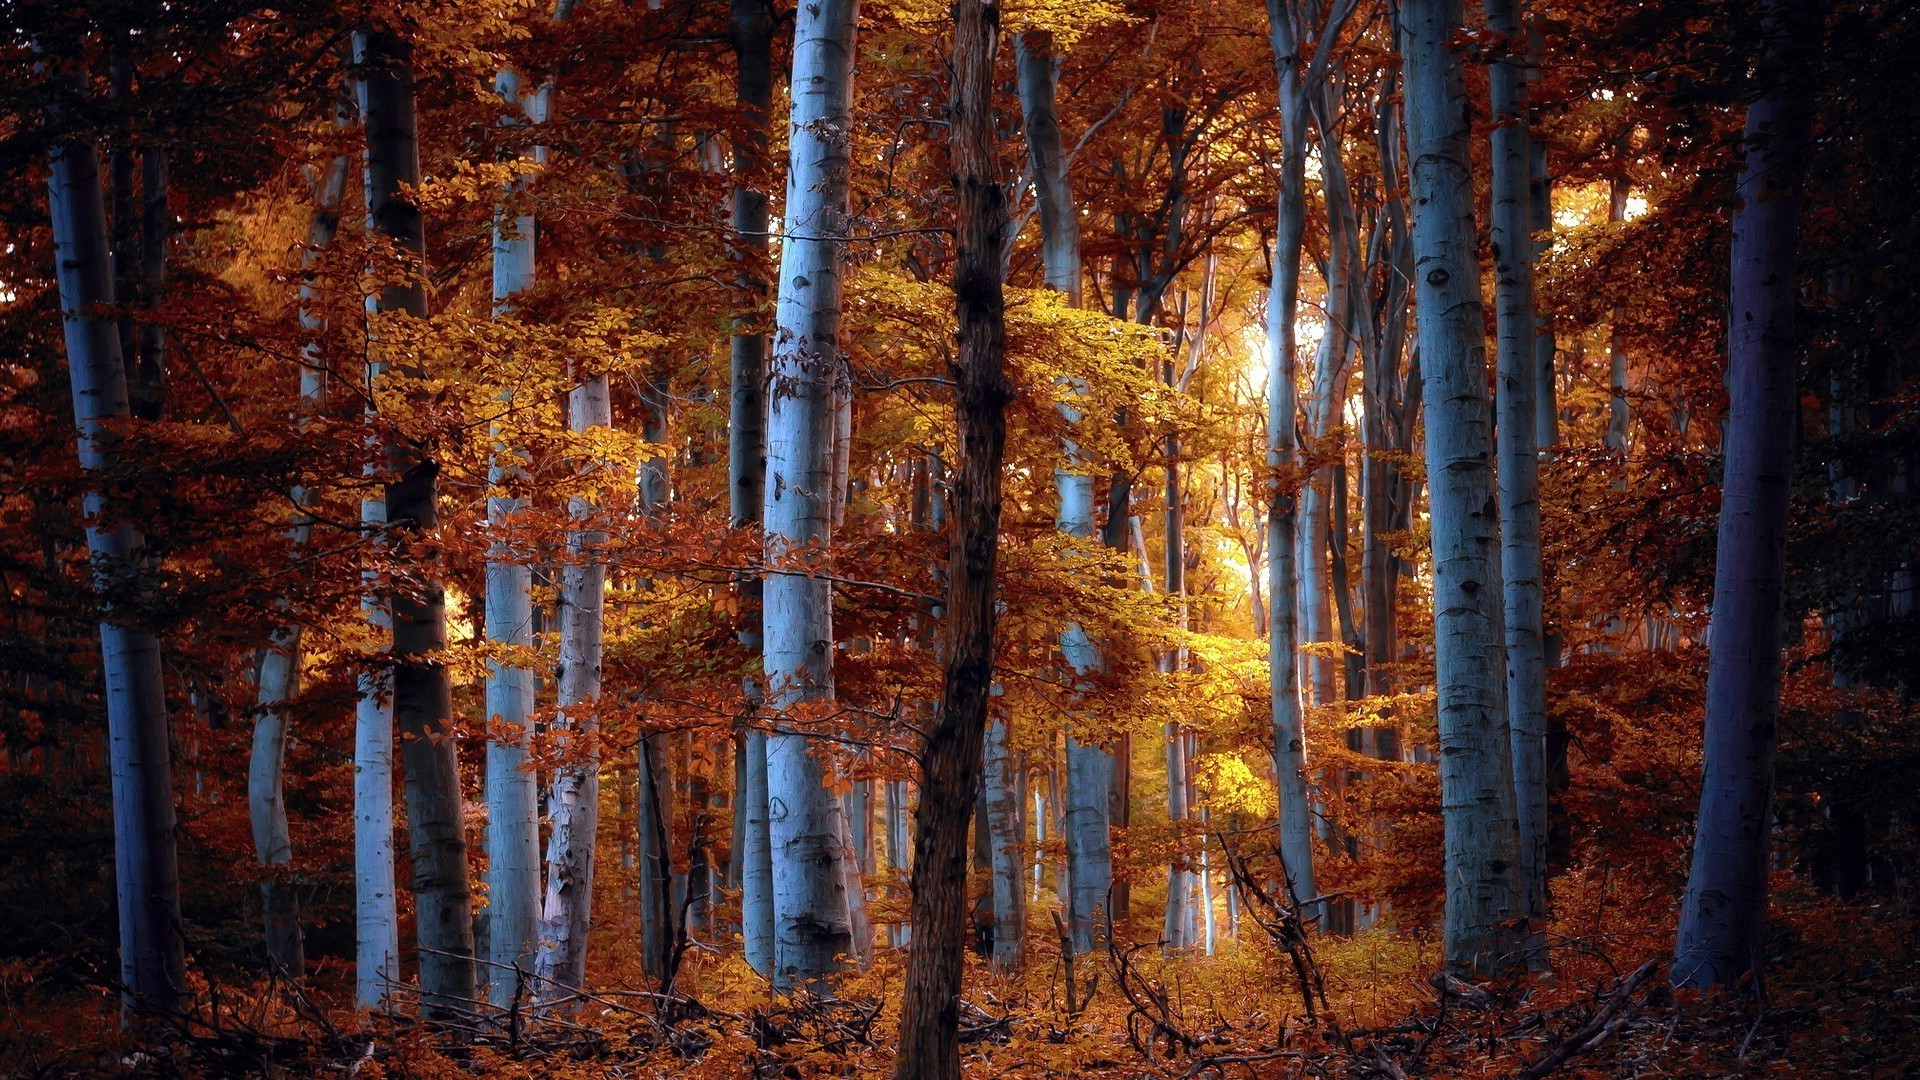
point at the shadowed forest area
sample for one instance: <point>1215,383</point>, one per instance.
<point>1065,538</point>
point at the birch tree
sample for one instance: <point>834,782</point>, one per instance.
<point>1484,896</point>
<point>811,920</point>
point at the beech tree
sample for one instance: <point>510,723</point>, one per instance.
<point>811,919</point>
<point>1724,910</point>
<point>421,694</point>
<point>1485,899</point>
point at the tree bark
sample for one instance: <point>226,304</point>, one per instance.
<point>422,694</point>
<point>573,804</point>
<point>279,678</point>
<point>812,921</point>
<point>1283,591</point>
<point>1485,897</point>
<point>1724,913</point>
<point>1519,462</point>
<point>1089,768</point>
<point>513,804</point>
<point>951,757</point>
<point>146,866</point>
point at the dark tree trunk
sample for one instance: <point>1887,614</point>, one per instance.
<point>422,695</point>
<point>951,761</point>
<point>1722,917</point>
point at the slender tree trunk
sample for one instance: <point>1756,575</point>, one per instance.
<point>146,866</point>
<point>1724,913</point>
<point>1485,902</point>
<point>513,803</point>
<point>1004,830</point>
<point>1619,417</point>
<point>279,677</point>
<point>573,804</point>
<point>1283,591</point>
<point>747,450</point>
<point>422,694</point>
<point>929,1012</point>
<point>1089,768</point>
<point>1520,570</point>
<point>811,918</point>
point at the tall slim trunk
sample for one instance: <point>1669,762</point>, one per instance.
<point>573,803</point>
<point>951,756</point>
<point>811,918</point>
<point>1004,819</point>
<point>747,451</point>
<point>1382,481</point>
<point>279,678</point>
<point>146,866</point>
<point>1289,734</point>
<point>1177,931</point>
<point>654,813</point>
<point>513,803</point>
<point>1546,391</point>
<point>422,694</point>
<point>1485,896</point>
<point>1618,414</point>
<point>1520,571</point>
<point>1089,768</point>
<point>1724,913</point>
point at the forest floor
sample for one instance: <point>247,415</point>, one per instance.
<point>1842,998</point>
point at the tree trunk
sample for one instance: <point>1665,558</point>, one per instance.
<point>573,805</point>
<point>951,757</point>
<point>279,678</point>
<point>1619,417</point>
<point>1724,913</point>
<point>747,450</point>
<point>812,922</point>
<point>422,694</point>
<point>1283,591</point>
<point>1004,832</point>
<point>513,803</point>
<point>1485,897</point>
<point>146,866</point>
<point>1519,462</point>
<point>1089,768</point>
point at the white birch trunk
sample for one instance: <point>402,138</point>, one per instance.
<point>811,918</point>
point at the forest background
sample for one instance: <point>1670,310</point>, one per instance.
<point>468,354</point>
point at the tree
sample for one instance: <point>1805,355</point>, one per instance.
<point>1089,767</point>
<point>1484,896</point>
<point>951,755</point>
<point>422,695</point>
<point>279,677</point>
<point>812,922</point>
<point>747,452</point>
<point>1724,910</point>
<point>1519,463</point>
<point>145,858</point>
<point>513,803</point>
